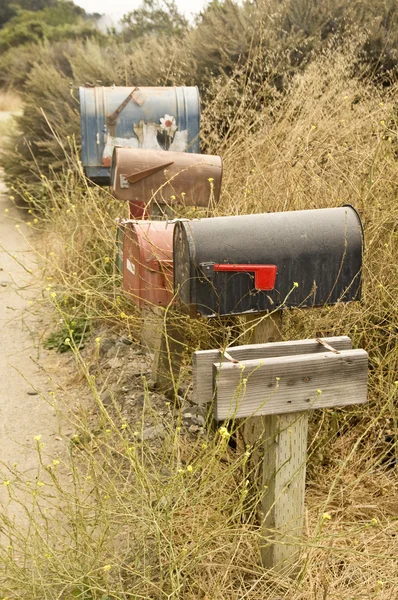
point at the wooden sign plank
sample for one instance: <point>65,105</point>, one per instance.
<point>290,384</point>
<point>203,360</point>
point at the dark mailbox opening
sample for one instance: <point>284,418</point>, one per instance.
<point>255,263</point>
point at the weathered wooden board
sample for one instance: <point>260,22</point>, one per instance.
<point>290,384</point>
<point>203,360</point>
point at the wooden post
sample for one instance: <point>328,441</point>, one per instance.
<point>277,464</point>
<point>280,382</point>
<point>162,337</point>
<point>168,353</point>
<point>151,328</point>
<point>283,474</point>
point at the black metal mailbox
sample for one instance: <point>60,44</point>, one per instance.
<point>255,263</point>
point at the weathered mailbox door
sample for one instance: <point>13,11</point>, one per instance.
<point>148,262</point>
<point>159,118</point>
<point>255,263</point>
<point>144,176</point>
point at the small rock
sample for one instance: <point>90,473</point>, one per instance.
<point>198,420</point>
<point>4,283</point>
<point>137,373</point>
<point>126,340</point>
<point>195,429</point>
<point>116,363</point>
<point>106,398</point>
<point>105,346</point>
<point>112,352</point>
<point>200,411</point>
<point>151,433</point>
<point>32,393</point>
<point>140,398</point>
<point>125,389</point>
<point>194,416</point>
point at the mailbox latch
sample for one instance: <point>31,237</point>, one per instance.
<point>264,275</point>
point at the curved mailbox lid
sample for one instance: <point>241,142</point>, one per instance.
<point>320,250</point>
<point>159,118</point>
<point>148,262</point>
<point>141,176</point>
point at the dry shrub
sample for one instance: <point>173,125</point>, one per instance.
<point>333,141</point>
<point>139,523</point>
<point>251,49</point>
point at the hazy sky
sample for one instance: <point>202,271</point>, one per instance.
<point>117,8</point>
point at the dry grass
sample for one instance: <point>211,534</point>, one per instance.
<point>170,520</point>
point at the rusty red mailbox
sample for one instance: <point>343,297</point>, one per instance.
<point>145,177</point>
<point>148,262</point>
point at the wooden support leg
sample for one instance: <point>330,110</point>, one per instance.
<point>263,328</point>
<point>277,465</point>
<point>167,352</point>
<point>283,474</point>
<point>151,328</point>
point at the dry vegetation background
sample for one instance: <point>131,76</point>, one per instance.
<point>300,98</point>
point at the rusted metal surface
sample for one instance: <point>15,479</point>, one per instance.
<point>148,262</point>
<point>162,118</point>
<point>111,119</point>
<point>142,177</point>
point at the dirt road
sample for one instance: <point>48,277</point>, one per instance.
<point>24,414</point>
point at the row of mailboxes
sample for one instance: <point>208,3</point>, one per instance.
<point>157,118</point>
<point>144,142</point>
<point>242,264</point>
<point>144,177</point>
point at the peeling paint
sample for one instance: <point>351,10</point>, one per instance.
<point>180,142</point>
<point>147,137</point>
<point>153,118</point>
<point>130,266</point>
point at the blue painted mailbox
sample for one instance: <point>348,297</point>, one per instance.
<point>156,118</point>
